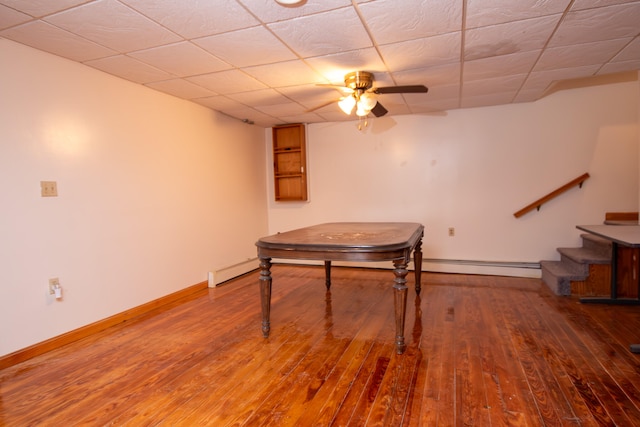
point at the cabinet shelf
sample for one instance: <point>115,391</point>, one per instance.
<point>289,163</point>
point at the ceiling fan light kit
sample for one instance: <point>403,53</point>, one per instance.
<point>347,103</point>
<point>289,2</point>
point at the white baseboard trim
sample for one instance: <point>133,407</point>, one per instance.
<point>222,274</point>
<point>488,268</point>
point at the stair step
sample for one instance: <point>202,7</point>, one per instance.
<point>560,269</point>
<point>558,275</point>
<point>585,255</point>
<point>591,241</point>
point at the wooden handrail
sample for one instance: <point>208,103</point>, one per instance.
<point>536,205</point>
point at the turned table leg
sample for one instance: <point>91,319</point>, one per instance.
<point>417,264</point>
<point>400,301</point>
<point>327,274</point>
<point>265,294</point>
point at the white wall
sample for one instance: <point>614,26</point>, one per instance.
<point>473,168</point>
<point>154,192</point>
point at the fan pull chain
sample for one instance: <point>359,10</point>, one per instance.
<point>362,122</point>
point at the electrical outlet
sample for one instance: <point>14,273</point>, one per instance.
<point>452,231</point>
<point>53,283</point>
<point>48,189</point>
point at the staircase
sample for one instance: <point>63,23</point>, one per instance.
<point>584,271</point>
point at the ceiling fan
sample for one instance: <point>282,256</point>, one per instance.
<point>362,95</point>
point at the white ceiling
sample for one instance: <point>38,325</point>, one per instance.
<point>261,61</point>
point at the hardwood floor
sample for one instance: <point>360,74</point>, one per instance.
<point>481,351</point>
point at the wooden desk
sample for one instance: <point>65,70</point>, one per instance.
<point>347,241</point>
<point>626,235</point>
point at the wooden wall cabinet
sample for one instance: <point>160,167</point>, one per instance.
<point>289,163</point>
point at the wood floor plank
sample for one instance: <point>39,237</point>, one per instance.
<point>481,350</point>
<point>504,399</point>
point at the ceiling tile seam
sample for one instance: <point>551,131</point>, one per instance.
<point>231,66</point>
<point>72,35</point>
<point>264,25</point>
<point>374,42</point>
<point>463,39</point>
<point>37,18</point>
<point>610,60</point>
<point>75,35</point>
<point>544,48</point>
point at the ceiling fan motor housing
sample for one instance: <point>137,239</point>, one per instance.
<point>359,80</point>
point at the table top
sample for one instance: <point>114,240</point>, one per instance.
<point>367,241</point>
<point>628,235</point>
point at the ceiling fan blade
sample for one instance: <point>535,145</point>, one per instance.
<point>378,110</point>
<point>342,88</point>
<point>322,106</point>
<point>401,89</point>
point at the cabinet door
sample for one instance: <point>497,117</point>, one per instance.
<point>289,163</point>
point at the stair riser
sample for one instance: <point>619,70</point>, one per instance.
<point>559,285</point>
<point>579,268</point>
<point>601,246</point>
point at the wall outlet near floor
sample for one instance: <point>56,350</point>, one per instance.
<point>452,231</point>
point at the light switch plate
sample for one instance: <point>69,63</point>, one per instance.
<point>48,189</point>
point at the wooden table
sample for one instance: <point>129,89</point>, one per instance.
<point>347,241</point>
<point>626,235</point>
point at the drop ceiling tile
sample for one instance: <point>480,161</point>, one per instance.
<point>605,23</point>
<point>618,67</point>
<point>433,76</point>
<point>541,80</point>
<point>394,109</point>
<point>381,79</point>
<point>182,59</point>
<point>505,65</point>
<point>181,88</point>
<point>232,47</point>
<point>579,55</point>
<point>529,95</point>
<point>334,67</point>
<point>481,13</point>
<point>96,21</point>
<point>129,68</point>
<point>252,116</point>
<point>505,84</point>
<point>286,109</point>
<point>490,99</point>
<point>10,17</point>
<point>393,21</point>
<point>335,115</point>
<point>393,102</point>
<point>630,52</point>
<point>39,8</point>
<point>195,18</point>
<point>509,38</point>
<point>297,73</point>
<point>590,4</point>
<point>436,93</point>
<point>220,103</point>
<point>422,53</point>
<point>324,33</point>
<point>436,106</point>
<point>257,98</point>
<point>301,118</point>
<point>227,82</point>
<point>46,37</point>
